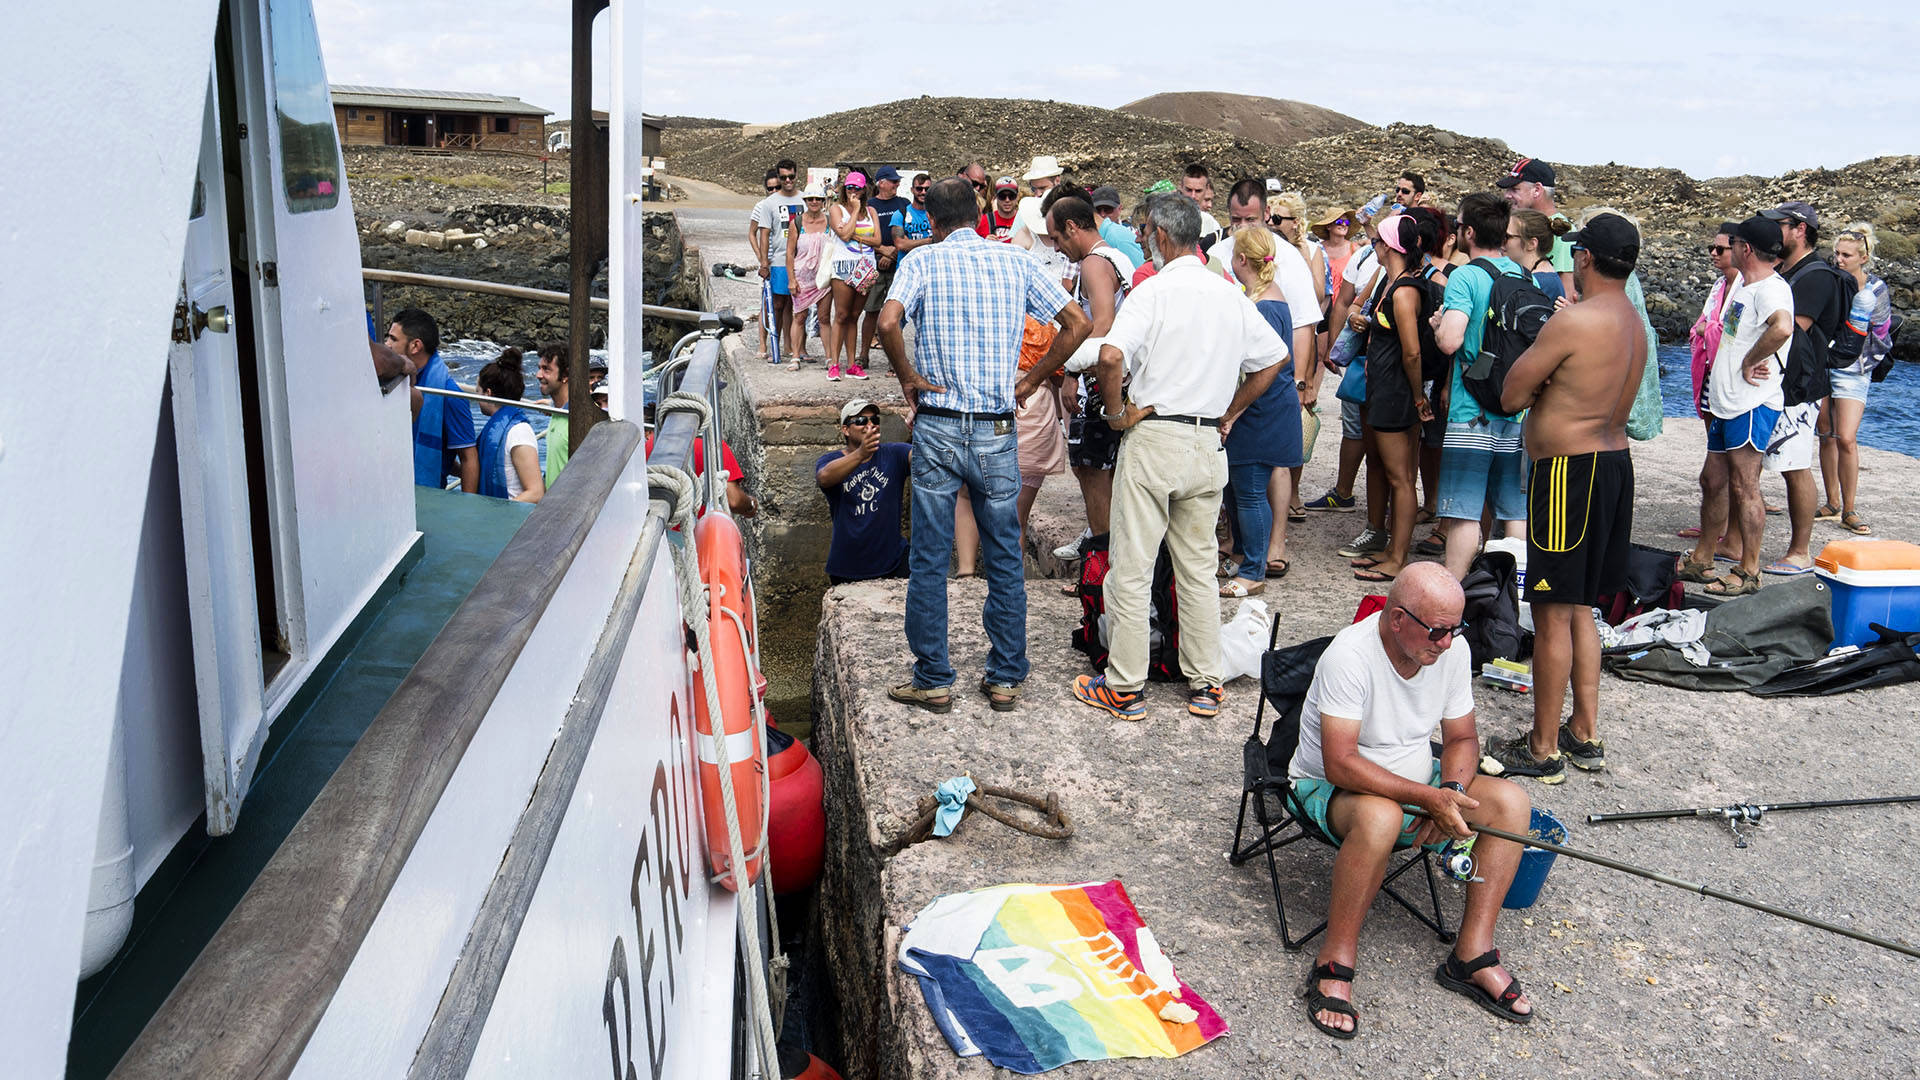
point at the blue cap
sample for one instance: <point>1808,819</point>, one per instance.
<point>886,172</point>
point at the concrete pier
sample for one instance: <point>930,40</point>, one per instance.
<point>1629,977</point>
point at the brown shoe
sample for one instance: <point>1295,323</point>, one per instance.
<point>933,699</point>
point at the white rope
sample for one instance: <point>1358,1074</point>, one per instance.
<point>693,603</point>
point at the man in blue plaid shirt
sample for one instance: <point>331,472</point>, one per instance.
<point>968,299</point>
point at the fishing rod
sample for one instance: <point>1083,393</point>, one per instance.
<point>1690,886</point>
<point>1748,813</point>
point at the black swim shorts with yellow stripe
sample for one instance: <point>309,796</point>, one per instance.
<point>1579,526</point>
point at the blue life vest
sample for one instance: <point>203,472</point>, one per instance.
<point>493,451</point>
<point>429,429</point>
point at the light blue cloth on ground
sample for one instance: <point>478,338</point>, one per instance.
<point>952,794</point>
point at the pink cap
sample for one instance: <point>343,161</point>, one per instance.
<point>1390,232</point>
<point>856,179</point>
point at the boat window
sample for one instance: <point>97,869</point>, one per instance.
<point>309,147</point>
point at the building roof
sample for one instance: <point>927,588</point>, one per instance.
<point>387,97</point>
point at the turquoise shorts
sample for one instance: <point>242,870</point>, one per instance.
<point>1313,796</point>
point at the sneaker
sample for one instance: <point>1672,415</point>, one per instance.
<point>1514,758</point>
<point>1205,700</point>
<point>1072,551</point>
<point>833,372</point>
<point>1590,756</point>
<point>1371,541</point>
<point>855,371</point>
<point>1094,691</point>
<point>1332,501</point>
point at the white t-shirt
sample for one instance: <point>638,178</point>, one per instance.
<point>1290,271</point>
<point>767,214</point>
<point>1355,680</point>
<point>520,434</point>
<point>1742,321</point>
<point>1360,270</point>
<point>1187,337</point>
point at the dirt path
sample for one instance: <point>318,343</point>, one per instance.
<point>703,195</point>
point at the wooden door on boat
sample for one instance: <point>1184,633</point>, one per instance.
<point>204,363</point>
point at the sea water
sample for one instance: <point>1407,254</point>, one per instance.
<point>1892,420</point>
<point>467,356</point>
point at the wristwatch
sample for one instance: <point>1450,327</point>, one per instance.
<point>1455,785</point>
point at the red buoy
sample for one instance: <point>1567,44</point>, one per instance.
<point>797,1064</point>
<point>796,814</point>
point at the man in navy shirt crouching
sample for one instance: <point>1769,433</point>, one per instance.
<point>864,484</point>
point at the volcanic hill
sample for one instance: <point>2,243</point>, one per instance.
<point>1248,116</point>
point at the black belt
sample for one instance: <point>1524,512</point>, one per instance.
<point>970,417</point>
<point>1203,421</point>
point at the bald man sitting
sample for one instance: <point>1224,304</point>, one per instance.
<point>1377,693</point>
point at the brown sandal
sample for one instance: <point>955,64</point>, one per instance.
<point>1733,583</point>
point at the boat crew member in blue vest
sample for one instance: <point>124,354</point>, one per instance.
<point>443,439</point>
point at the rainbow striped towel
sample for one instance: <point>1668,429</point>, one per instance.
<point>1036,976</point>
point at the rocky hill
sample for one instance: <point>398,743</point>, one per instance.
<point>1274,121</point>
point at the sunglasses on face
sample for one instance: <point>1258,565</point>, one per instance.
<point>1435,633</point>
<point>1719,249</point>
<point>1405,192</point>
<point>1006,194</point>
<point>862,421</point>
<point>1278,218</point>
<point>1342,222</point>
<point>786,176</point>
<point>978,185</point>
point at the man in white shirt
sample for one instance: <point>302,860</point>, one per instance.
<point>1364,754</point>
<point>1197,184</point>
<point>1744,399</point>
<point>1247,209</point>
<point>767,232</point>
<point>1183,337</point>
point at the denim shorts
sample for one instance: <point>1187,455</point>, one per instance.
<point>1350,420</point>
<point>1850,385</point>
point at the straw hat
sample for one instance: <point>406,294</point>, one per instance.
<point>1325,225</point>
<point>1044,165</point>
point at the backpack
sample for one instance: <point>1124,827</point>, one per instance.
<point>1651,583</point>
<point>1811,354</point>
<point>1492,610</point>
<point>1516,311</point>
<point>1163,622</point>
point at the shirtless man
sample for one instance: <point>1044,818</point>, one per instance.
<point>1579,380</point>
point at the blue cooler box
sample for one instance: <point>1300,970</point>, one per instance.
<point>1873,581</point>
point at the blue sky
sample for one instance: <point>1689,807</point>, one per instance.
<point>1714,89</point>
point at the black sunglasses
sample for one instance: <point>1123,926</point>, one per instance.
<point>1278,218</point>
<point>1434,633</point>
<point>786,176</point>
<point>1006,194</point>
<point>978,185</point>
<point>1719,249</point>
<point>862,421</point>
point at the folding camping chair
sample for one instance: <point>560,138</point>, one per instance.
<point>1285,675</point>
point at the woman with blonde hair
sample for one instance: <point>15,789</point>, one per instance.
<point>1840,414</point>
<point>1263,441</point>
<point>1287,212</point>
<point>854,269</point>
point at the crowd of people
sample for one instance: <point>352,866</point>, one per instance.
<point>1181,366</point>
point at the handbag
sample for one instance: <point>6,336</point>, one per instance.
<point>1353,382</point>
<point>1309,432</point>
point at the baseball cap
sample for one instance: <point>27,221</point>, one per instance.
<point>1609,236</point>
<point>1763,235</point>
<point>1798,212</point>
<point>1273,186</point>
<point>1104,196</point>
<point>886,172</point>
<point>1527,171</point>
<point>855,407</point>
<point>1006,182</point>
<point>855,179</point>
<point>1160,187</point>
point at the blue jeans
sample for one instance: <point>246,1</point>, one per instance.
<point>1252,517</point>
<point>947,453</point>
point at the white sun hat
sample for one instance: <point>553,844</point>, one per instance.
<point>1044,165</point>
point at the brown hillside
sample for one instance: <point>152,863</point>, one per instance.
<point>1248,116</point>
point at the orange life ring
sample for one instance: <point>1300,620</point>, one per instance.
<point>729,627</point>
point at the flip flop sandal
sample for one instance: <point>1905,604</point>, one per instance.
<point>1697,573</point>
<point>1364,562</point>
<point>1783,568</point>
<point>1774,511</point>
<point>1457,976</point>
<point>1854,523</point>
<point>1827,512</point>
<point>1372,576</point>
<point>1691,532</point>
<point>1241,588</point>
<point>1277,569</point>
<point>1318,1002</point>
<point>1296,513</point>
<point>1734,583</point>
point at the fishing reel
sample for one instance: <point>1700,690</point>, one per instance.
<point>1736,815</point>
<point>1456,860</point>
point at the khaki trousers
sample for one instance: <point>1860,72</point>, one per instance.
<point>1166,484</point>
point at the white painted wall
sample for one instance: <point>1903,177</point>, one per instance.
<point>93,237</point>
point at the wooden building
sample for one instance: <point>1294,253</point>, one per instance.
<point>386,116</point>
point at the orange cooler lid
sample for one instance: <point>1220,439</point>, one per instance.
<point>1868,555</point>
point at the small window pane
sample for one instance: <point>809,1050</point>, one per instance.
<point>309,146</point>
